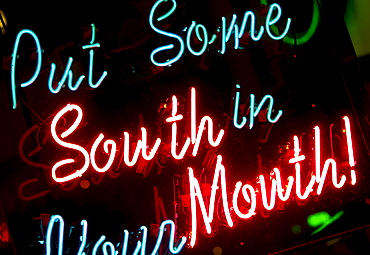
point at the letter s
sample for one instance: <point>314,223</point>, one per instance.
<point>66,133</point>
<point>169,46</point>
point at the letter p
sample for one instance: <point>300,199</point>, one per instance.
<point>14,61</point>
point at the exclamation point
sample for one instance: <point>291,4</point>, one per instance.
<point>351,159</point>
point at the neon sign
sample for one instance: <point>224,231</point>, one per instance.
<point>103,245</point>
<point>110,146</point>
<point>253,112</point>
<point>265,193</point>
<point>255,194</point>
<point>67,75</point>
<point>273,16</point>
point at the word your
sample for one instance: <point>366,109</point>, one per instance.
<point>254,111</point>
<point>67,76</point>
<point>253,195</point>
<point>273,16</point>
<point>108,247</point>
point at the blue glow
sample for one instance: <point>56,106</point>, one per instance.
<point>92,42</point>
<point>83,238</point>
<point>226,37</point>
<point>78,82</point>
<point>92,34</point>
<point>98,243</point>
<point>125,242</point>
<point>111,246</point>
<point>54,219</point>
<point>255,112</point>
<point>252,29</point>
<point>91,65</point>
<point>108,248</point>
<point>213,39</point>
<point>236,111</point>
<point>141,245</point>
<point>14,59</point>
<point>166,47</point>
<point>188,37</point>
<point>97,84</point>
<point>173,250</point>
<point>270,22</point>
<point>62,80</point>
<point>95,45</point>
<point>233,27</point>
<point>67,74</point>
<point>169,12</point>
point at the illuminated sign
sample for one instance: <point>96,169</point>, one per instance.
<point>292,180</point>
<point>67,75</point>
<point>259,193</point>
<point>141,144</point>
<point>253,112</point>
<point>103,245</point>
<point>273,16</point>
<point>251,194</point>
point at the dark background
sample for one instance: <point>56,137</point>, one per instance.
<point>314,84</point>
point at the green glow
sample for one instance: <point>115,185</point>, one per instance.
<point>357,19</point>
<point>321,220</point>
<point>296,229</point>
<point>304,37</point>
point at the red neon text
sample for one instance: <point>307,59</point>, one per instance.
<point>253,195</point>
<point>110,146</point>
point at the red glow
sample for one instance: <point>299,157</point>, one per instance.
<point>77,173</point>
<point>276,187</point>
<point>173,119</point>
<point>321,173</point>
<point>144,145</point>
<point>131,157</point>
<point>126,150</point>
<point>197,136</point>
<point>195,192</point>
<point>112,153</point>
<point>280,189</point>
<point>261,179</point>
<point>351,158</point>
<point>250,199</point>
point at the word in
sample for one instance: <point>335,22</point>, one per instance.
<point>253,112</point>
<point>282,190</point>
<point>105,246</point>
<point>67,76</point>
<point>273,16</point>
